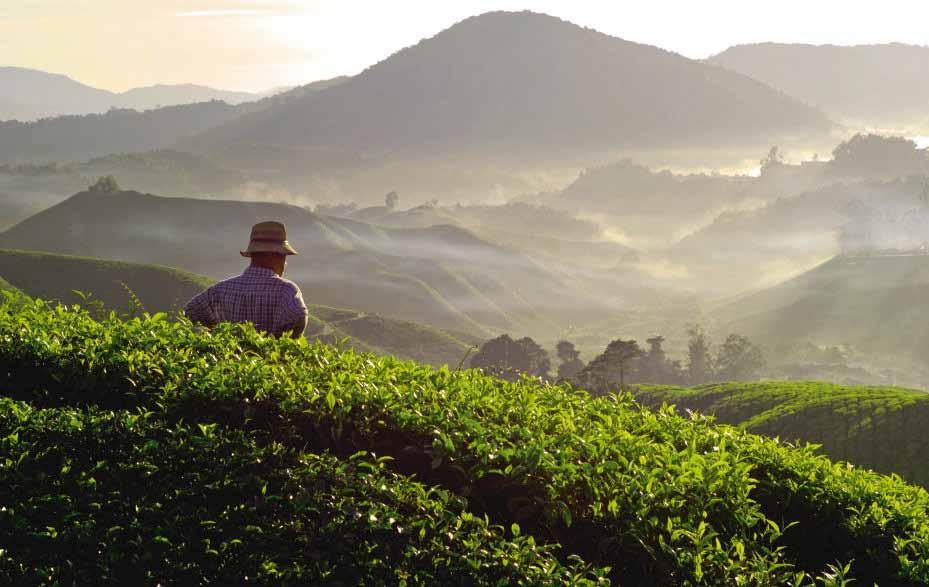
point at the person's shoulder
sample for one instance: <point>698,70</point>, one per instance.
<point>289,285</point>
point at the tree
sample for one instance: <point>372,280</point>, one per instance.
<point>773,159</point>
<point>654,366</point>
<point>539,363</point>
<point>106,184</point>
<point>738,359</point>
<point>611,366</point>
<point>391,200</point>
<point>571,364</point>
<point>699,361</point>
<point>507,358</point>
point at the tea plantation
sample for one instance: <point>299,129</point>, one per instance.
<point>881,428</point>
<point>148,451</point>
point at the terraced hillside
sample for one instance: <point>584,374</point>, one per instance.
<point>440,275</point>
<point>880,428</point>
<point>263,465</point>
<point>163,289</point>
<point>875,303</point>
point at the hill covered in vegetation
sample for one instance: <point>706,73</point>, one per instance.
<point>440,275</point>
<point>112,283</point>
<point>116,285</point>
<point>654,496</point>
<point>879,428</point>
<point>875,303</point>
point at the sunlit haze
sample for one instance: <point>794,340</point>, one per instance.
<point>256,45</point>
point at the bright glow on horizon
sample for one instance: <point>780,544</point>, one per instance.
<point>259,44</point>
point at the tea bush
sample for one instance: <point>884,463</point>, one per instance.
<point>881,428</point>
<point>98,497</point>
<point>659,498</point>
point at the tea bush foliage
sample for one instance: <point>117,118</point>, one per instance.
<point>880,428</point>
<point>117,498</point>
<point>656,497</point>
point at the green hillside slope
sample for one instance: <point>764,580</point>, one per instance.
<point>440,275</point>
<point>5,285</point>
<point>880,428</point>
<point>57,277</point>
<point>160,289</point>
<point>657,497</point>
<point>876,304</point>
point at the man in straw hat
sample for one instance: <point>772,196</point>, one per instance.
<point>260,295</point>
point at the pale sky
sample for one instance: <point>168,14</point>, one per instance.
<point>259,44</point>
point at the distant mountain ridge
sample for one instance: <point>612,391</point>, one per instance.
<point>871,84</point>
<point>524,80</point>
<point>29,94</point>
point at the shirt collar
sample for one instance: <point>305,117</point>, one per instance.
<point>259,271</point>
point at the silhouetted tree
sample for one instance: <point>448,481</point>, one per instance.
<point>571,364</point>
<point>539,363</point>
<point>391,200</point>
<point>611,367</point>
<point>507,358</point>
<point>773,159</point>
<point>654,366</point>
<point>106,184</point>
<point>699,361</point>
<point>738,359</point>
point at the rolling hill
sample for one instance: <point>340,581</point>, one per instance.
<point>875,303</point>
<point>440,275</point>
<point>208,437</point>
<point>29,94</point>
<point>57,277</point>
<point>163,289</point>
<point>879,428</point>
<point>502,84</point>
<point>876,85</point>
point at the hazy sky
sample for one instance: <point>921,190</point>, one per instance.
<point>258,44</point>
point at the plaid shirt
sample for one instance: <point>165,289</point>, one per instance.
<point>273,304</point>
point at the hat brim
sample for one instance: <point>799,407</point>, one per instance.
<point>281,248</point>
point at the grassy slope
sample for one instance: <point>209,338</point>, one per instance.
<point>5,285</point>
<point>881,428</point>
<point>655,496</point>
<point>56,277</point>
<point>874,303</point>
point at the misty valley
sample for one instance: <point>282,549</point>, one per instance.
<point>578,311</point>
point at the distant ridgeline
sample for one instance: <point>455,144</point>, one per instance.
<point>880,428</point>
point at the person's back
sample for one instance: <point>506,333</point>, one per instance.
<point>260,295</point>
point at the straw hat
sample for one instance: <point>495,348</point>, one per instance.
<point>268,237</point>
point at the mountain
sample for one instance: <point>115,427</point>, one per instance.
<point>440,275</point>
<point>874,303</point>
<point>503,81</point>
<point>161,95</point>
<point>76,138</point>
<point>880,428</point>
<point>28,94</point>
<point>884,84</point>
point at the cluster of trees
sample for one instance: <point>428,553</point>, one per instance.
<point>624,361</point>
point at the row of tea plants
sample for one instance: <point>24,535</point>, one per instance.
<point>656,497</point>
